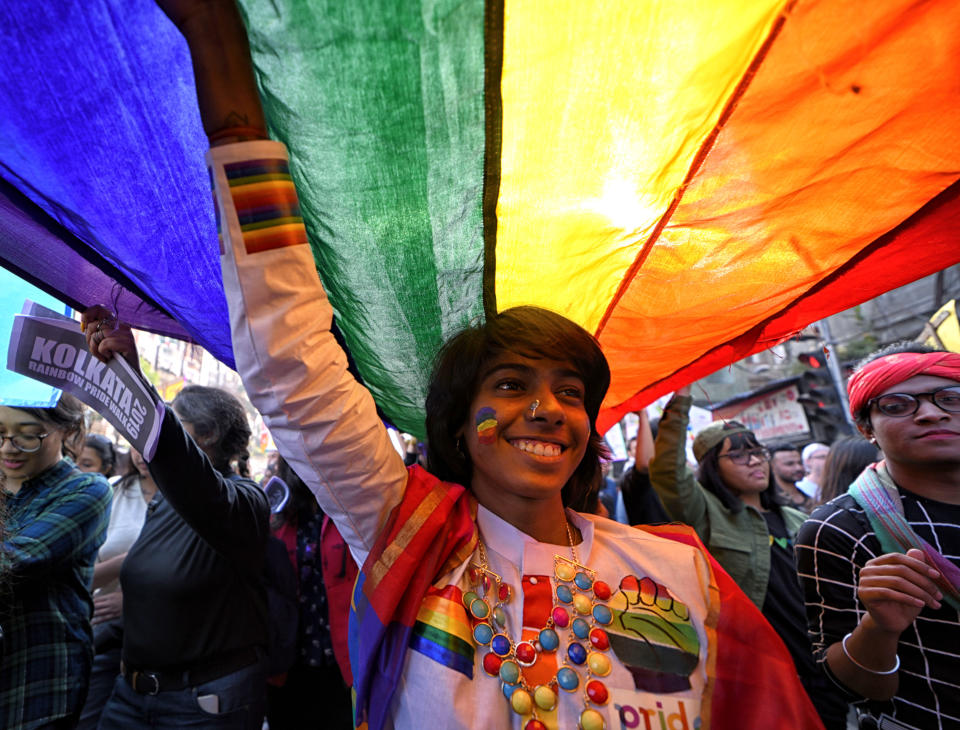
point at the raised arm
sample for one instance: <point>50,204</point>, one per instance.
<point>231,515</point>
<point>324,423</point>
<point>644,449</point>
<point>673,480</point>
<point>227,95</point>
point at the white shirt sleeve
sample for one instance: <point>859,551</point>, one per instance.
<point>324,423</point>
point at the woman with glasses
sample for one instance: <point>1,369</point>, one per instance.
<point>880,565</point>
<point>56,518</point>
<point>737,511</point>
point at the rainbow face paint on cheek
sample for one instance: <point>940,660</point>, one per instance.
<point>486,425</point>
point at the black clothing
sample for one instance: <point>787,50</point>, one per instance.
<point>783,608</point>
<point>641,501</point>
<point>192,582</point>
<point>783,605</point>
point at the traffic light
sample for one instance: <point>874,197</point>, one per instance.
<point>821,402</point>
<point>814,359</point>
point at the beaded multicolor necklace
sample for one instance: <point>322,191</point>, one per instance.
<point>578,606</point>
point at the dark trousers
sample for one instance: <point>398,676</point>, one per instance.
<point>312,697</point>
<point>106,669</point>
<point>240,700</point>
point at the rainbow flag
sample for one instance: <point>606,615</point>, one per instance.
<point>692,181</point>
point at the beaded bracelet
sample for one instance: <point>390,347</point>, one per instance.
<point>887,673</point>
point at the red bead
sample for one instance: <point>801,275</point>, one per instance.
<point>504,593</point>
<point>534,725</point>
<point>597,692</point>
<point>486,582</point>
<point>599,639</point>
<point>474,574</point>
<point>525,653</point>
<point>560,617</point>
<point>601,590</point>
<point>491,664</point>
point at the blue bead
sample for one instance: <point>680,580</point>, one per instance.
<point>583,581</point>
<point>602,614</point>
<point>567,679</point>
<point>564,594</point>
<point>508,689</point>
<point>500,645</point>
<point>576,653</point>
<point>581,628</point>
<point>482,633</point>
<point>549,641</point>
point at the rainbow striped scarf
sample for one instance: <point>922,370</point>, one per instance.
<point>431,531</point>
<point>875,491</point>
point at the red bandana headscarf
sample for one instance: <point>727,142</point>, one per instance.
<point>885,372</point>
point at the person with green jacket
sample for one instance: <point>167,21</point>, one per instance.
<point>736,510</point>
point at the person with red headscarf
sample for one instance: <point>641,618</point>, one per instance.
<point>880,565</point>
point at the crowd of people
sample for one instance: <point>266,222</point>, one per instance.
<point>763,585</point>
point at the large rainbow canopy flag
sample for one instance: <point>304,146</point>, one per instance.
<point>690,180</point>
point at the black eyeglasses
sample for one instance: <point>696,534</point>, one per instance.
<point>901,405</point>
<point>25,442</point>
<point>744,456</point>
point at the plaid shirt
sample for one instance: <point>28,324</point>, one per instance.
<point>832,548</point>
<point>55,525</point>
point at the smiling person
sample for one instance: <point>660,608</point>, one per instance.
<point>485,598</point>
<point>879,564</point>
<point>746,524</point>
<point>56,519</point>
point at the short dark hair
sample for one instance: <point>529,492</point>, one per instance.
<point>531,332</point>
<point>780,446</point>
<point>862,417</point>
<point>105,450</point>
<point>219,419</point>
<point>69,416</point>
<point>709,474</point>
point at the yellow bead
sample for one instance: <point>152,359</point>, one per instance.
<point>591,720</point>
<point>520,702</point>
<point>545,697</point>
<point>599,664</point>
<point>565,571</point>
<point>582,604</point>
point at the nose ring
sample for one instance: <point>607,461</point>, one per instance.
<point>533,409</point>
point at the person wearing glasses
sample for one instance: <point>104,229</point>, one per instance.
<point>880,565</point>
<point>746,524</point>
<point>56,520</point>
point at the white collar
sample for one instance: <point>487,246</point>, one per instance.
<point>526,553</point>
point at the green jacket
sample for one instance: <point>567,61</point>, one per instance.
<point>739,541</point>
